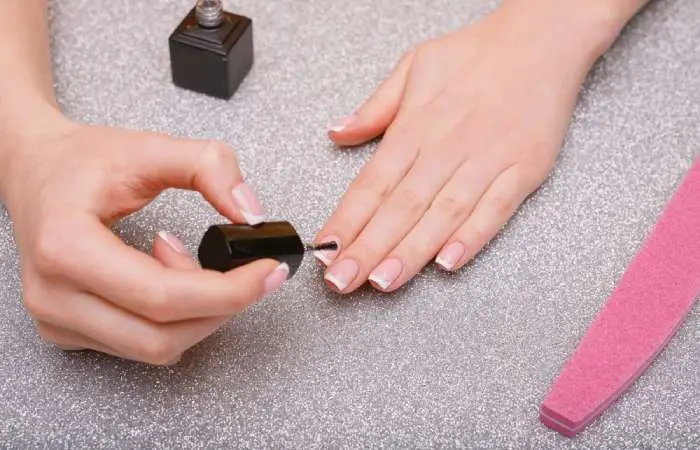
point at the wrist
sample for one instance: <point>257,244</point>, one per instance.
<point>20,135</point>
<point>584,29</point>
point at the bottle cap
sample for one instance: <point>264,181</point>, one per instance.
<point>226,247</point>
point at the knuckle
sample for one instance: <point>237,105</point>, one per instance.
<point>156,303</point>
<point>410,203</point>
<point>213,156</point>
<point>216,154</point>
<point>418,249</point>
<point>450,206</point>
<point>502,205</point>
<point>157,350</point>
<point>50,250</point>
<point>370,184</point>
<point>530,177</point>
<point>38,307</point>
<point>477,236</point>
<point>46,333</point>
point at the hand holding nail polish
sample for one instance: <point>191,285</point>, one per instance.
<point>85,288</point>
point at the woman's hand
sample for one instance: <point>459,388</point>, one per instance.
<point>474,121</point>
<point>84,287</point>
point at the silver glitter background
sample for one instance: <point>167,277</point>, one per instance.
<point>448,361</point>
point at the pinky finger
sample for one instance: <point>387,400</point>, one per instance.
<point>494,210</point>
<point>69,340</point>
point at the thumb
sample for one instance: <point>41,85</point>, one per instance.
<point>377,113</point>
<point>209,167</point>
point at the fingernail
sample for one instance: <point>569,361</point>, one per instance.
<point>276,278</point>
<point>339,125</point>
<point>342,274</point>
<point>248,204</point>
<point>173,242</point>
<point>450,255</point>
<point>386,273</point>
<point>327,256</point>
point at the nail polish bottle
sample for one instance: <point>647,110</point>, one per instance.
<point>211,51</point>
<point>226,247</point>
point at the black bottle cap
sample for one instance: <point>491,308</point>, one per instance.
<point>226,247</point>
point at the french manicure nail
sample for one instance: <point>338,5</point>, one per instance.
<point>386,273</point>
<point>342,274</point>
<point>341,124</point>
<point>173,242</point>
<point>276,278</point>
<point>450,255</point>
<point>327,256</point>
<point>248,204</point>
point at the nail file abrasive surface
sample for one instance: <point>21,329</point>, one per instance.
<point>646,308</point>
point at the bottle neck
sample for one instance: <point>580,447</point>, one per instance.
<point>210,13</point>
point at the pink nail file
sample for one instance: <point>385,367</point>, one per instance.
<point>644,311</point>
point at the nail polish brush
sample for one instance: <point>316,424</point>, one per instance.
<point>228,246</point>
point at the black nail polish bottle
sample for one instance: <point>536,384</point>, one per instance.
<point>211,51</point>
<point>226,247</point>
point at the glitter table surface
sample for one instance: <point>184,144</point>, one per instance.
<point>449,361</point>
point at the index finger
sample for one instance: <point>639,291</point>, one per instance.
<point>128,278</point>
